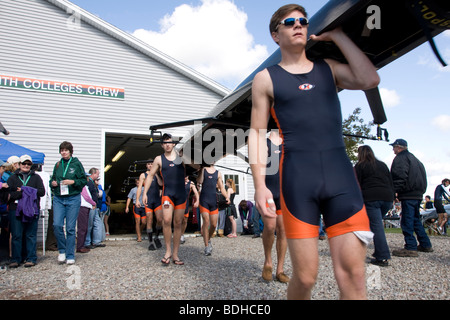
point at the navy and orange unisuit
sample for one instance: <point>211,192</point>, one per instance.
<point>273,177</point>
<point>208,196</point>
<point>153,196</point>
<point>316,174</point>
<point>172,173</point>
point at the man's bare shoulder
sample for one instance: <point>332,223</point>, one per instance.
<point>262,83</point>
<point>262,76</point>
<point>157,160</point>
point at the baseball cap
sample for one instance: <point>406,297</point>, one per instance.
<point>25,157</point>
<point>400,142</point>
<point>13,159</point>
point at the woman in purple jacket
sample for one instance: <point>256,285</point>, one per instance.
<point>22,203</point>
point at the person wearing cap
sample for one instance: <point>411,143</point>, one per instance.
<point>410,183</point>
<point>11,165</point>
<point>15,161</point>
<point>24,206</point>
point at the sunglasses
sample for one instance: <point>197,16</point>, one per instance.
<point>26,164</point>
<point>289,22</point>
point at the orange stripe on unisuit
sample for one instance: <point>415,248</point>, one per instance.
<point>358,222</point>
<point>294,228</point>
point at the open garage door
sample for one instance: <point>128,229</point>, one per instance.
<point>122,150</point>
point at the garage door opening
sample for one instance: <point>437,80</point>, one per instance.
<point>121,152</point>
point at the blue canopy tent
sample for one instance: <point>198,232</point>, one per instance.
<point>8,149</point>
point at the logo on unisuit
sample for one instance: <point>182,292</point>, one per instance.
<point>306,87</point>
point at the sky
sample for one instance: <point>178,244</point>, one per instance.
<point>227,40</point>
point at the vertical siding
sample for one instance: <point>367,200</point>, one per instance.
<point>35,41</point>
<point>239,164</point>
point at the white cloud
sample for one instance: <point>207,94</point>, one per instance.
<point>442,122</point>
<point>390,98</point>
<point>211,38</point>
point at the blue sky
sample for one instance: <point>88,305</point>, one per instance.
<point>226,40</point>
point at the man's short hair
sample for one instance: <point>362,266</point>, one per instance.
<point>282,12</point>
<point>93,170</point>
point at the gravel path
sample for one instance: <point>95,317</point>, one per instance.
<point>126,270</point>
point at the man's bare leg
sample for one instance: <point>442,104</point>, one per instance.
<point>212,224</point>
<point>167,230</point>
<point>348,254</point>
<point>281,245</point>
<point>268,238</point>
<point>178,216</point>
<point>305,263</point>
<point>205,227</point>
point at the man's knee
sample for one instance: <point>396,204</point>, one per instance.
<point>304,281</point>
<point>270,225</point>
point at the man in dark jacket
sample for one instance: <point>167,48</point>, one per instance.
<point>24,227</point>
<point>410,183</point>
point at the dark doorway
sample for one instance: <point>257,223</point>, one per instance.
<point>119,179</point>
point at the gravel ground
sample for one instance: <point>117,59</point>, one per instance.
<point>126,270</point>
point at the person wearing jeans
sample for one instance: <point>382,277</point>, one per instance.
<point>410,183</point>
<point>94,235</point>
<point>67,182</point>
<point>66,208</point>
<point>376,210</point>
<point>411,223</point>
<point>24,212</point>
<point>378,193</point>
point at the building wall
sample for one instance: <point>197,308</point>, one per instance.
<point>42,41</point>
<point>38,39</point>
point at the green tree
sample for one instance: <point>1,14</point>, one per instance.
<point>353,128</point>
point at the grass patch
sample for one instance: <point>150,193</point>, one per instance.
<point>399,230</point>
<point>393,230</point>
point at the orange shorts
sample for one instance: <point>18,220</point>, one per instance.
<point>175,205</point>
<point>139,212</point>
<point>149,210</point>
<point>209,211</point>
